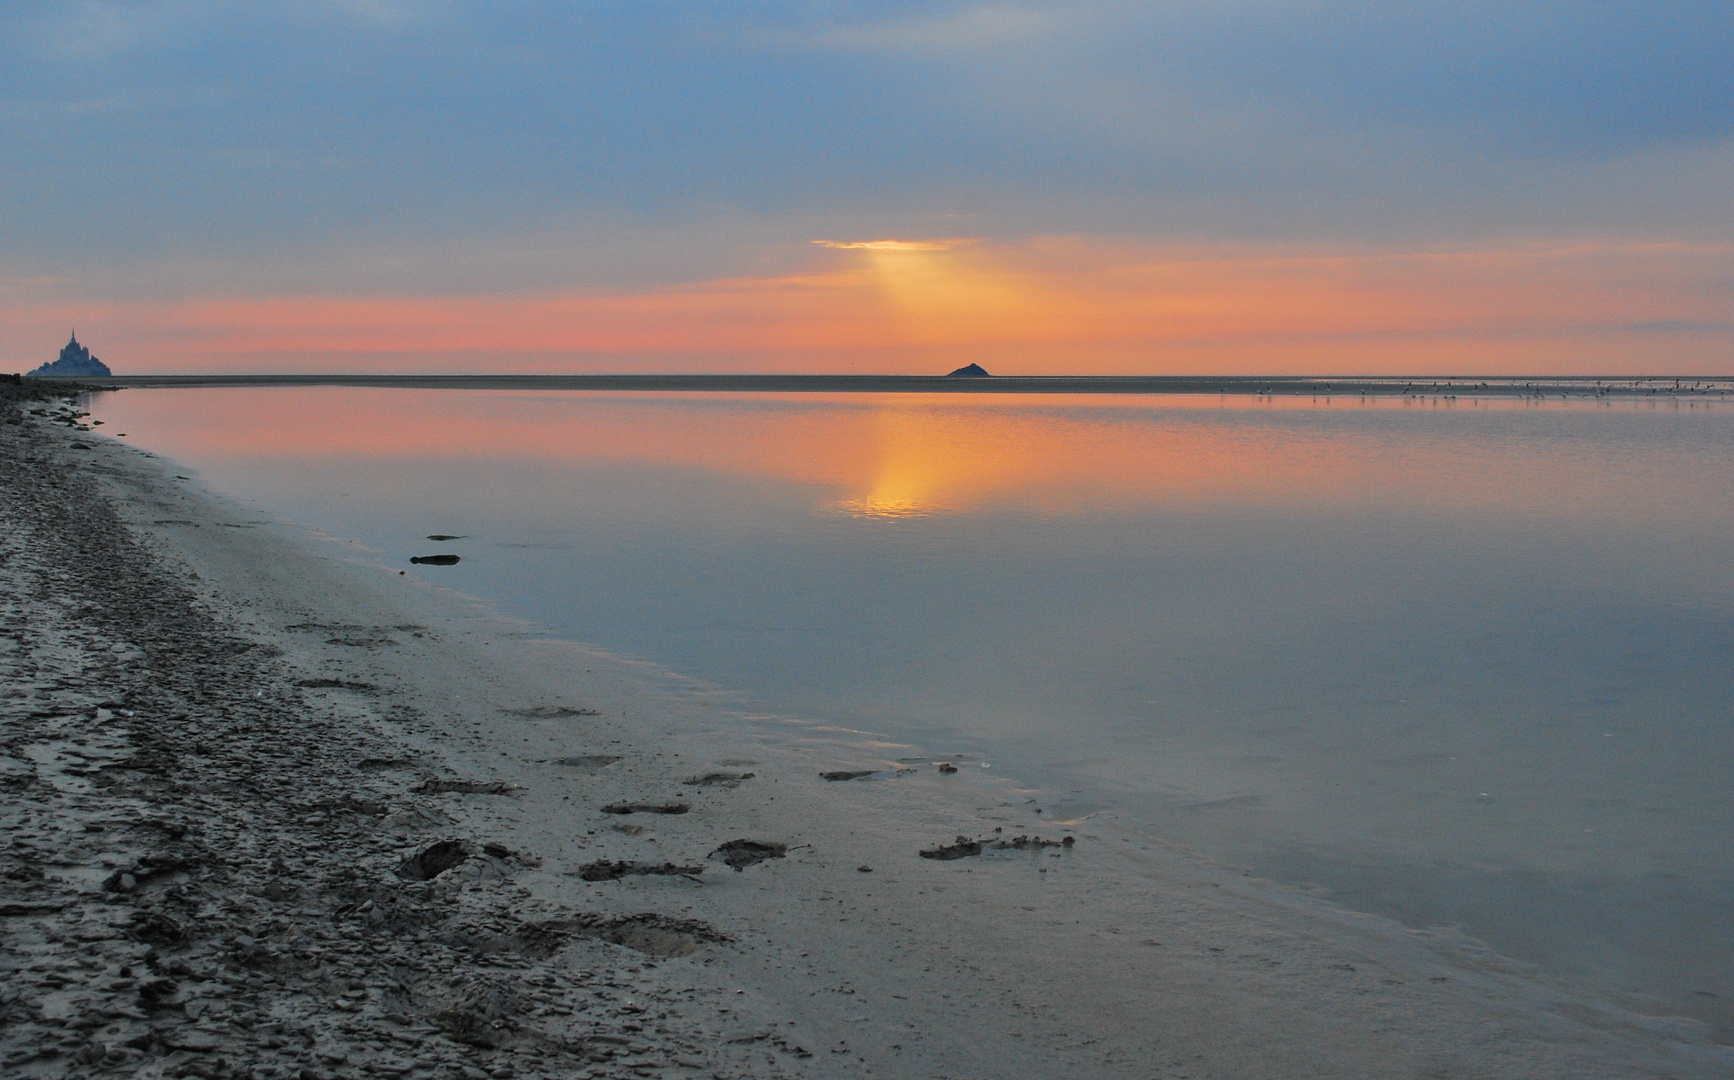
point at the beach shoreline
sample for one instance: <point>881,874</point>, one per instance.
<point>236,754</point>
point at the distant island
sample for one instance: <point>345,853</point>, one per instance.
<point>969,371</point>
<point>75,360</point>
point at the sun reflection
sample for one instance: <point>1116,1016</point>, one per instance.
<point>885,508</point>
<point>890,458</point>
<point>924,460</point>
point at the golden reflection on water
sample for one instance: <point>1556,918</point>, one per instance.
<point>923,461</point>
<point>897,457</point>
<point>877,505</point>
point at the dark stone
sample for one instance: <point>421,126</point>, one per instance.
<point>338,684</point>
<point>469,1028</point>
<point>962,849</point>
<point>435,560</point>
<point>718,779</point>
<point>550,712</point>
<point>361,806</point>
<point>609,870</point>
<point>155,928</point>
<point>1027,843</point>
<point>466,787</point>
<point>534,939</point>
<point>741,854</point>
<point>435,861</point>
<point>646,808</point>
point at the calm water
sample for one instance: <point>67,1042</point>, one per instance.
<point>1462,664</point>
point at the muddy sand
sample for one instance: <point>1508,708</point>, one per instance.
<point>274,809</point>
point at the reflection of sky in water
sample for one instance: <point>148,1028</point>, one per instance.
<point>1463,664</point>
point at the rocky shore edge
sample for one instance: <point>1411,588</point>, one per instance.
<point>182,817</point>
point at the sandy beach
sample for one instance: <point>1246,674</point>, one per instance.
<point>275,809</point>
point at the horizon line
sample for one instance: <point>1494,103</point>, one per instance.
<point>1254,385</point>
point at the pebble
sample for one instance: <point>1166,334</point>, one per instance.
<point>256,911</point>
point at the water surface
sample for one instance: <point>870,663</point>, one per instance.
<point>1462,663</point>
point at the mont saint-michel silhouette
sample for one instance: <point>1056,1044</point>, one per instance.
<point>75,359</point>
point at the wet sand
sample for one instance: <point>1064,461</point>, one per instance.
<point>274,809</point>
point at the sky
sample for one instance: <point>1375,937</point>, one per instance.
<point>1244,186</point>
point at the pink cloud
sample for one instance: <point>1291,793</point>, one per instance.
<point>1052,305</point>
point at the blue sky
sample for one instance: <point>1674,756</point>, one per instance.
<point>405,148</point>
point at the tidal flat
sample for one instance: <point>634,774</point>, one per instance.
<point>1454,661</point>
<point>277,808</point>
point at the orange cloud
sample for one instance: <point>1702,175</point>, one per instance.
<point>885,245</point>
<point>1062,305</point>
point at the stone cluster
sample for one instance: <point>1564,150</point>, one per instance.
<point>203,870</point>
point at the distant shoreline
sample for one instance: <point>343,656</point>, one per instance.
<point>1587,386</point>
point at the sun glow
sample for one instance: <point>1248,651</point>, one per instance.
<point>1047,306</point>
<point>886,245</point>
